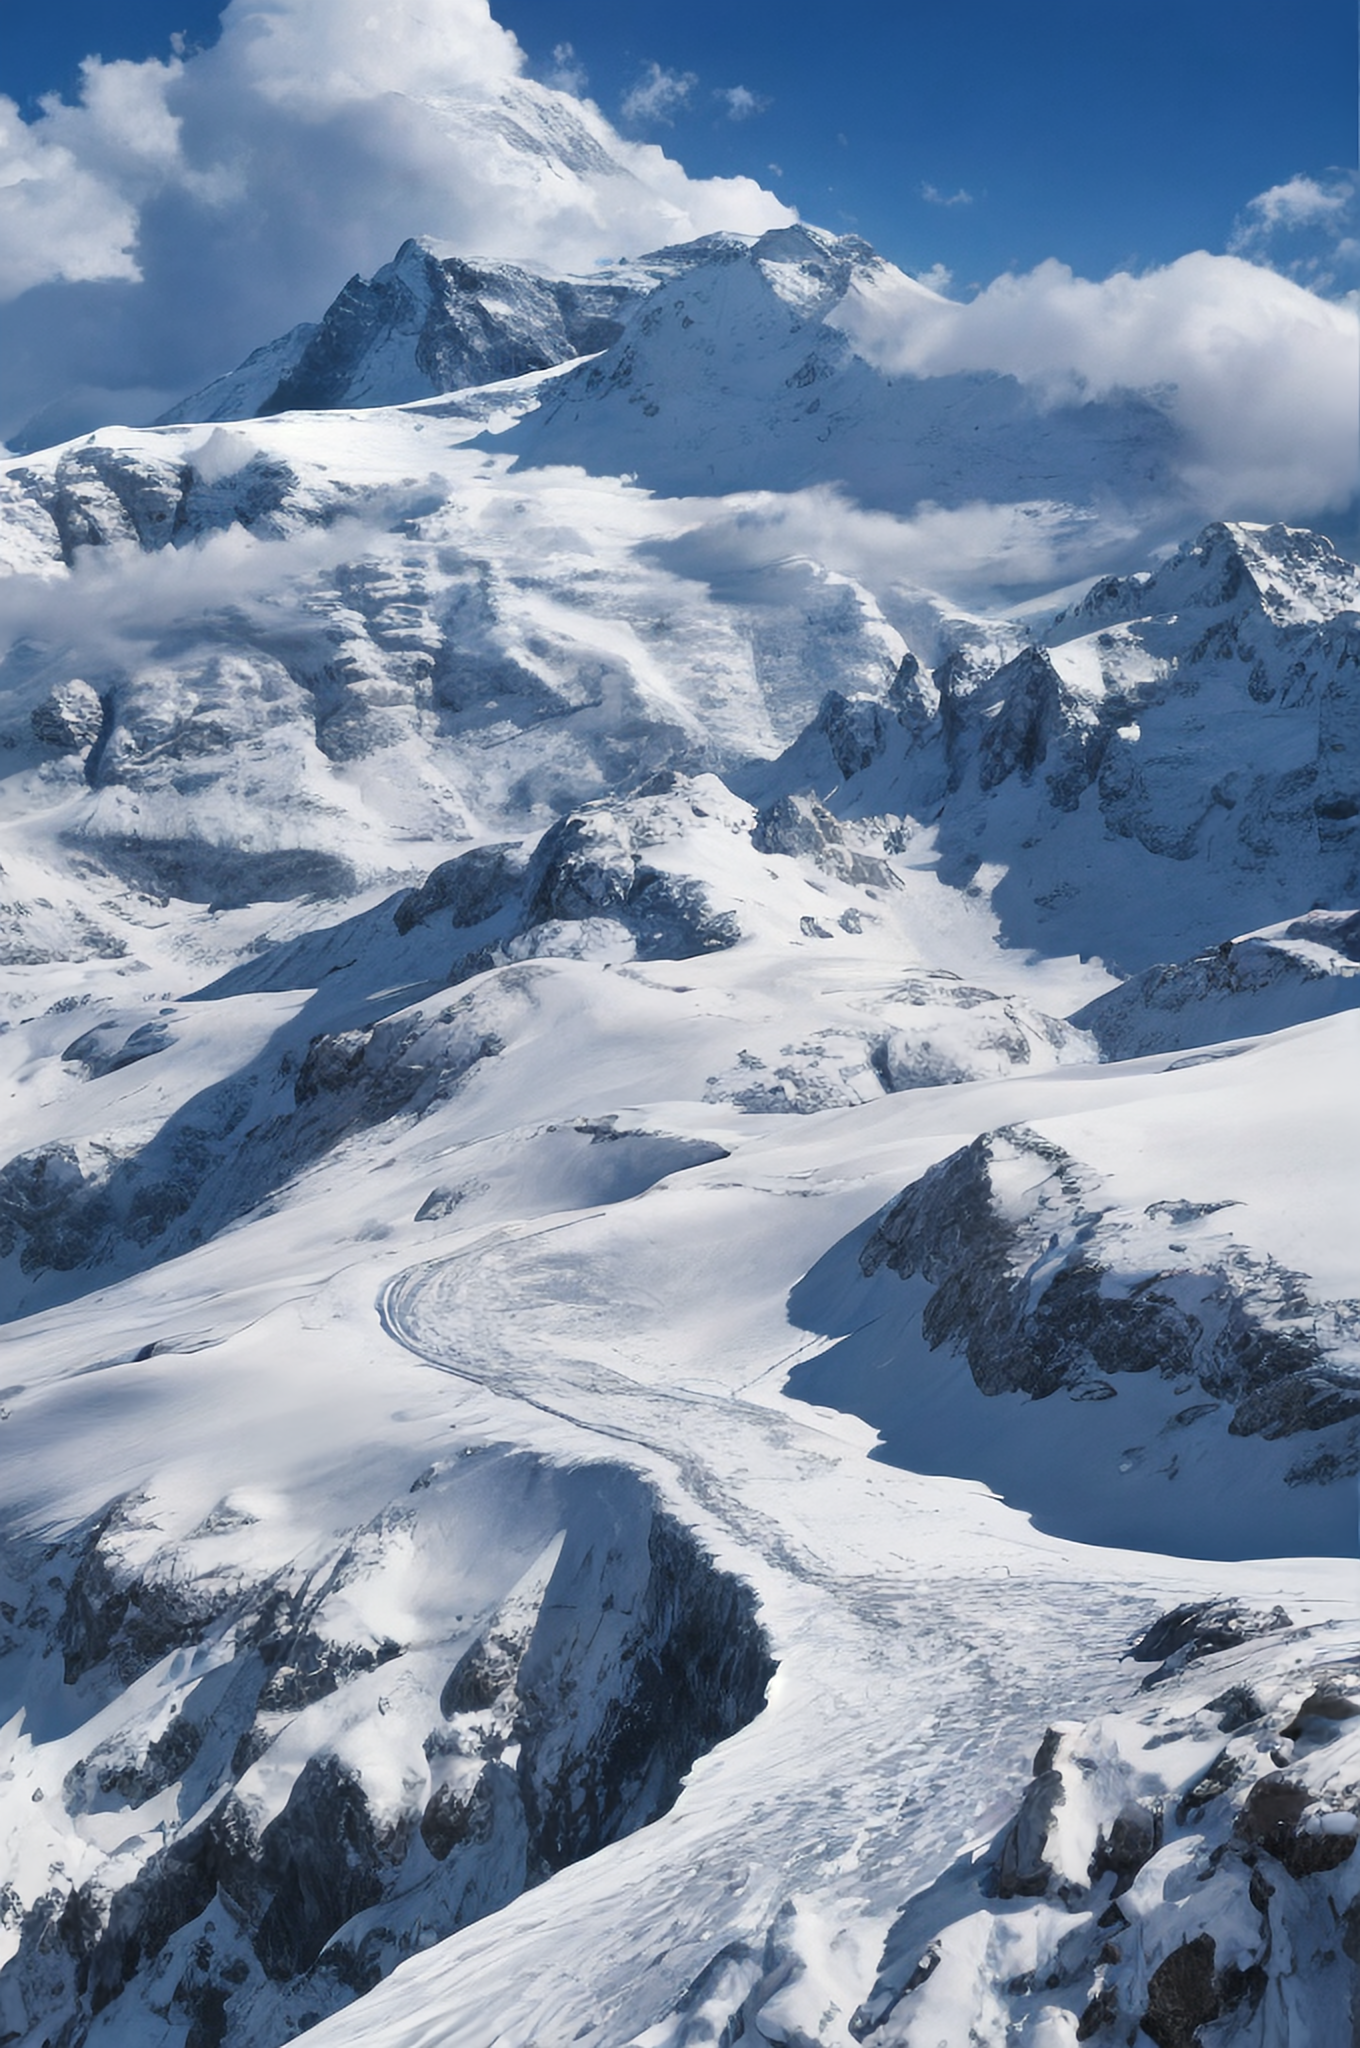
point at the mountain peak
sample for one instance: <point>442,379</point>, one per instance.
<point>1291,574</point>
<point>808,268</point>
<point>742,372</point>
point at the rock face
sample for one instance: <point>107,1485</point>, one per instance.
<point>799,825</point>
<point>69,717</point>
<point>98,494</point>
<point>428,322</point>
<point>1193,1877</point>
<point>1044,1282</point>
<point>285,1877</point>
<point>1266,981</point>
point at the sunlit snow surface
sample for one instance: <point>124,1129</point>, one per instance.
<point>407,1267</point>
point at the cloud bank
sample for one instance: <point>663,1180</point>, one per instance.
<point>983,555</point>
<point>1258,371</point>
<point>183,212</point>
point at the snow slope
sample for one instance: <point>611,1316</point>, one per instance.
<point>594,1353</point>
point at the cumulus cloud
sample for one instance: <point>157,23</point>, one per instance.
<point>657,95</point>
<point>1257,371</point>
<point>933,194</point>
<point>1308,228</point>
<point>181,213</point>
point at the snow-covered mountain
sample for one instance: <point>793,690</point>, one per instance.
<point>1201,719</point>
<point>724,364</point>
<point>676,1216</point>
<point>429,322</point>
<point>742,374</point>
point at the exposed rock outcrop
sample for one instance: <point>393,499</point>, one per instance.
<point>429,321</point>
<point>1288,974</point>
<point>592,883</point>
<point>69,717</point>
<point>1183,1910</point>
<point>1043,1281</point>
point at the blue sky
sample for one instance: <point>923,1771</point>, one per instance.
<point>1105,132</point>
<point>1109,133</point>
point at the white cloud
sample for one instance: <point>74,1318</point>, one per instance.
<point>1308,228</point>
<point>657,94</point>
<point>181,213</point>
<point>568,73</point>
<point>740,101</point>
<point>937,279</point>
<point>72,183</point>
<point>320,55</point>
<point>938,198</point>
<point>1299,202</point>
<point>978,554</point>
<point>56,217</point>
<point>1258,371</point>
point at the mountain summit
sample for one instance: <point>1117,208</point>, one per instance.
<point>428,322</point>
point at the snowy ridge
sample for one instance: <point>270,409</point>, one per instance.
<point>737,376</point>
<point>430,322</point>
<point>614,1313</point>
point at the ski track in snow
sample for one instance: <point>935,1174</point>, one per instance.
<point>968,1631</point>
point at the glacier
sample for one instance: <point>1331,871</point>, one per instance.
<point>677,1210</point>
